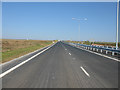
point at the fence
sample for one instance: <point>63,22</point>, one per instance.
<point>100,49</point>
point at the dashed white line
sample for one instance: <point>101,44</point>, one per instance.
<point>15,67</point>
<point>85,71</point>
<point>69,53</point>
<point>65,49</point>
<point>99,54</point>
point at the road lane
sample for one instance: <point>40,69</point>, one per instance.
<point>56,68</point>
<point>7,65</point>
<point>104,69</point>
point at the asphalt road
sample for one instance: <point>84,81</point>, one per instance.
<point>64,66</point>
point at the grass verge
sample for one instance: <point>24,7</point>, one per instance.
<point>9,52</point>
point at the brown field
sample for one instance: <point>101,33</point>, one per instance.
<point>113,44</point>
<point>13,48</point>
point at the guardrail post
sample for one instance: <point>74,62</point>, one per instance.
<point>106,52</point>
<point>101,50</point>
<point>93,49</point>
<point>113,53</point>
<point>97,50</point>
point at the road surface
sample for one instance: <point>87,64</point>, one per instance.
<point>63,66</point>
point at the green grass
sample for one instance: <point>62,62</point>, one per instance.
<point>6,56</point>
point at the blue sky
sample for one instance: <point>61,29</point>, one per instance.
<point>50,21</point>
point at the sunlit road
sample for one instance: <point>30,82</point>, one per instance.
<point>64,66</point>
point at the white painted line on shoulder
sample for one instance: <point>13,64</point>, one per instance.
<point>69,53</point>
<point>101,55</point>
<point>115,59</point>
<point>15,67</point>
<point>23,56</point>
<point>85,71</point>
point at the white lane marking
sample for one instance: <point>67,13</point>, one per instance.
<point>47,81</point>
<point>85,71</point>
<point>15,67</point>
<point>69,53</point>
<point>53,75</point>
<point>22,56</point>
<point>64,47</point>
<point>102,55</point>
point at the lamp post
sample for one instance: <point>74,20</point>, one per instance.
<point>117,24</point>
<point>79,24</point>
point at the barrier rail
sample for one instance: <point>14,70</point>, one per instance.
<point>98,48</point>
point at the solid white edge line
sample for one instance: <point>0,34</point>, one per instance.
<point>15,67</point>
<point>85,71</point>
<point>22,56</point>
<point>101,55</point>
<point>98,54</point>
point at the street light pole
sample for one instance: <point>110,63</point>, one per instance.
<point>79,25</point>
<point>79,30</point>
<point>117,24</point>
